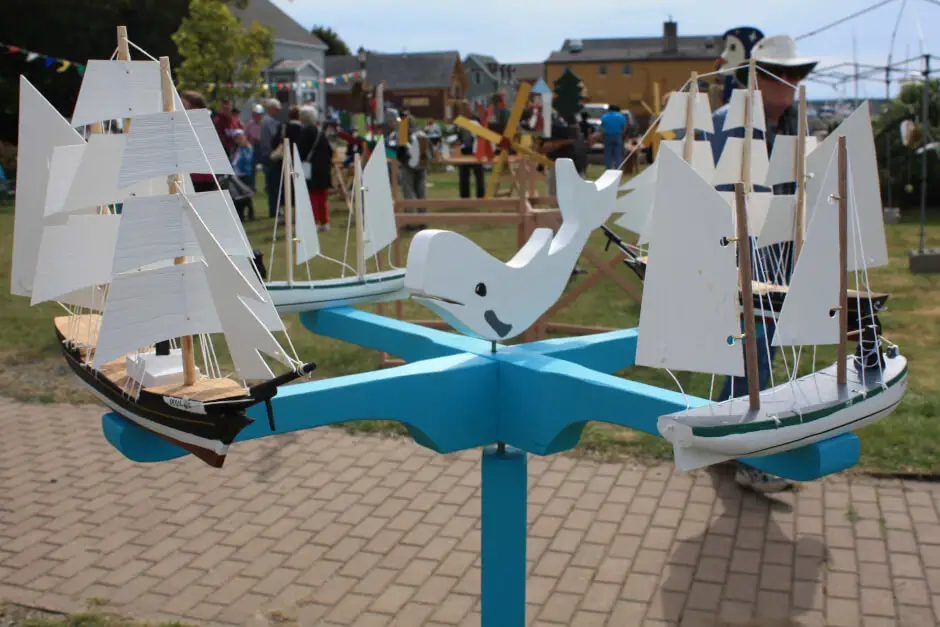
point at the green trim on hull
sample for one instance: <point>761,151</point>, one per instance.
<point>322,285</point>
<point>719,431</point>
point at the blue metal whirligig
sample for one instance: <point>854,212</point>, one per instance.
<point>456,393</point>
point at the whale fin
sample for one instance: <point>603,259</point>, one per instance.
<point>587,203</point>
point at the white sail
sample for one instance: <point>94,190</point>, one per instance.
<point>161,144</point>
<point>808,316</point>
<point>65,162</point>
<point>154,305</point>
<point>245,333</point>
<point>758,206</point>
<point>380,228</point>
<point>690,263</point>
<point>155,228</point>
<point>638,203</point>
<point>95,182</point>
<point>266,314</point>
<point>728,170</point>
<point>735,116</point>
<point>87,298</point>
<point>75,255</point>
<point>113,90</point>
<point>782,168</point>
<point>864,187</point>
<point>780,223</point>
<point>674,115</point>
<point>702,160</point>
<point>308,242</point>
<point>41,130</point>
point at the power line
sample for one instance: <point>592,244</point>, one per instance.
<point>851,17</point>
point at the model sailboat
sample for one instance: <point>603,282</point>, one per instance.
<point>373,214</point>
<point>692,258</point>
<point>140,284</point>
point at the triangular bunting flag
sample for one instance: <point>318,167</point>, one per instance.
<point>65,66</point>
<point>32,56</point>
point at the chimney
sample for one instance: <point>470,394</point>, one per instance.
<point>670,37</point>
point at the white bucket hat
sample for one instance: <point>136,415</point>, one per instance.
<point>780,51</point>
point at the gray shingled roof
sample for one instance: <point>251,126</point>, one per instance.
<point>412,70</point>
<point>638,49</point>
<point>528,71</point>
<point>280,23</point>
<point>483,60</point>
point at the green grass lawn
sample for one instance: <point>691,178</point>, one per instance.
<point>907,441</point>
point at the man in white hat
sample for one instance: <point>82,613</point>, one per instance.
<point>777,55</point>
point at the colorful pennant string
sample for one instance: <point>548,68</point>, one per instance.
<point>49,61</point>
<point>342,79</point>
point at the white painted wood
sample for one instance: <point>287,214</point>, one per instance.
<point>114,90</point>
<point>245,333</point>
<point>780,224</point>
<point>637,204</point>
<point>690,293</point>
<point>299,296</point>
<point>95,181</point>
<point>65,161</point>
<point>703,159</point>
<point>75,255</point>
<point>379,223</point>
<point>782,168</point>
<point>728,170</point>
<point>307,239</point>
<point>161,144</point>
<point>41,130</point>
<point>808,316</point>
<point>674,115</point>
<point>149,306</point>
<point>735,116</point>
<point>155,229</point>
<point>269,316</point>
<point>864,187</point>
<point>498,301</point>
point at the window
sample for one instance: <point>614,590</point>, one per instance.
<point>477,78</point>
<point>602,69</point>
<point>626,69</point>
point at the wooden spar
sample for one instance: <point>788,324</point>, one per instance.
<point>123,54</point>
<point>657,109</point>
<point>800,178</point>
<point>174,183</point>
<point>358,216</point>
<point>841,369</point>
<point>288,209</point>
<point>689,142</point>
<point>747,298</point>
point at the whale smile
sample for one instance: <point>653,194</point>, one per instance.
<point>500,327</point>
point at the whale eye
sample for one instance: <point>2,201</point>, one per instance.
<point>480,289</point>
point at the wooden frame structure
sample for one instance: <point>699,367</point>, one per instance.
<point>525,213</point>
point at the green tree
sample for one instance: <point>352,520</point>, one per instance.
<point>904,173</point>
<point>568,98</point>
<point>335,44</point>
<point>217,49</point>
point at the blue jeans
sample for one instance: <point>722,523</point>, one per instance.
<point>613,151</point>
<point>272,182</point>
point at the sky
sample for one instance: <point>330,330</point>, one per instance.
<point>517,31</point>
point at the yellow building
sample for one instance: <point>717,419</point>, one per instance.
<point>622,71</point>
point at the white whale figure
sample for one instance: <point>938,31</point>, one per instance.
<point>483,297</point>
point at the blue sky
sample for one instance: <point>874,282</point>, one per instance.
<point>528,30</point>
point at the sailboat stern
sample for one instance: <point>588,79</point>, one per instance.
<point>686,456</point>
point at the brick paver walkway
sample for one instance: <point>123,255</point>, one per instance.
<point>330,529</point>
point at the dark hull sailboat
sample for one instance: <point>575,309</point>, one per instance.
<point>203,418</point>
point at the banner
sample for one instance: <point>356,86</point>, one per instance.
<point>342,79</point>
<point>47,60</point>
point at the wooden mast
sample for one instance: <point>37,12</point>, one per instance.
<point>288,161</point>
<point>689,140</point>
<point>748,126</point>
<point>174,185</point>
<point>841,360</point>
<point>800,178</point>
<point>124,54</point>
<point>744,269</point>
<point>357,210</point>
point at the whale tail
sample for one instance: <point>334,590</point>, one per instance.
<point>586,203</point>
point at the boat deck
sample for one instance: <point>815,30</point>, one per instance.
<point>82,331</point>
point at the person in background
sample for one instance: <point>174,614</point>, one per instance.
<point>778,55</point>
<point>253,133</point>
<point>467,142</point>
<point>353,148</point>
<point>413,181</point>
<point>315,149</point>
<point>270,135</point>
<point>614,127</point>
<point>225,125</point>
<point>587,131</point>
<point>201,182</point>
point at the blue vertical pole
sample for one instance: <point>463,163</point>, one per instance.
<point>504,537</point>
